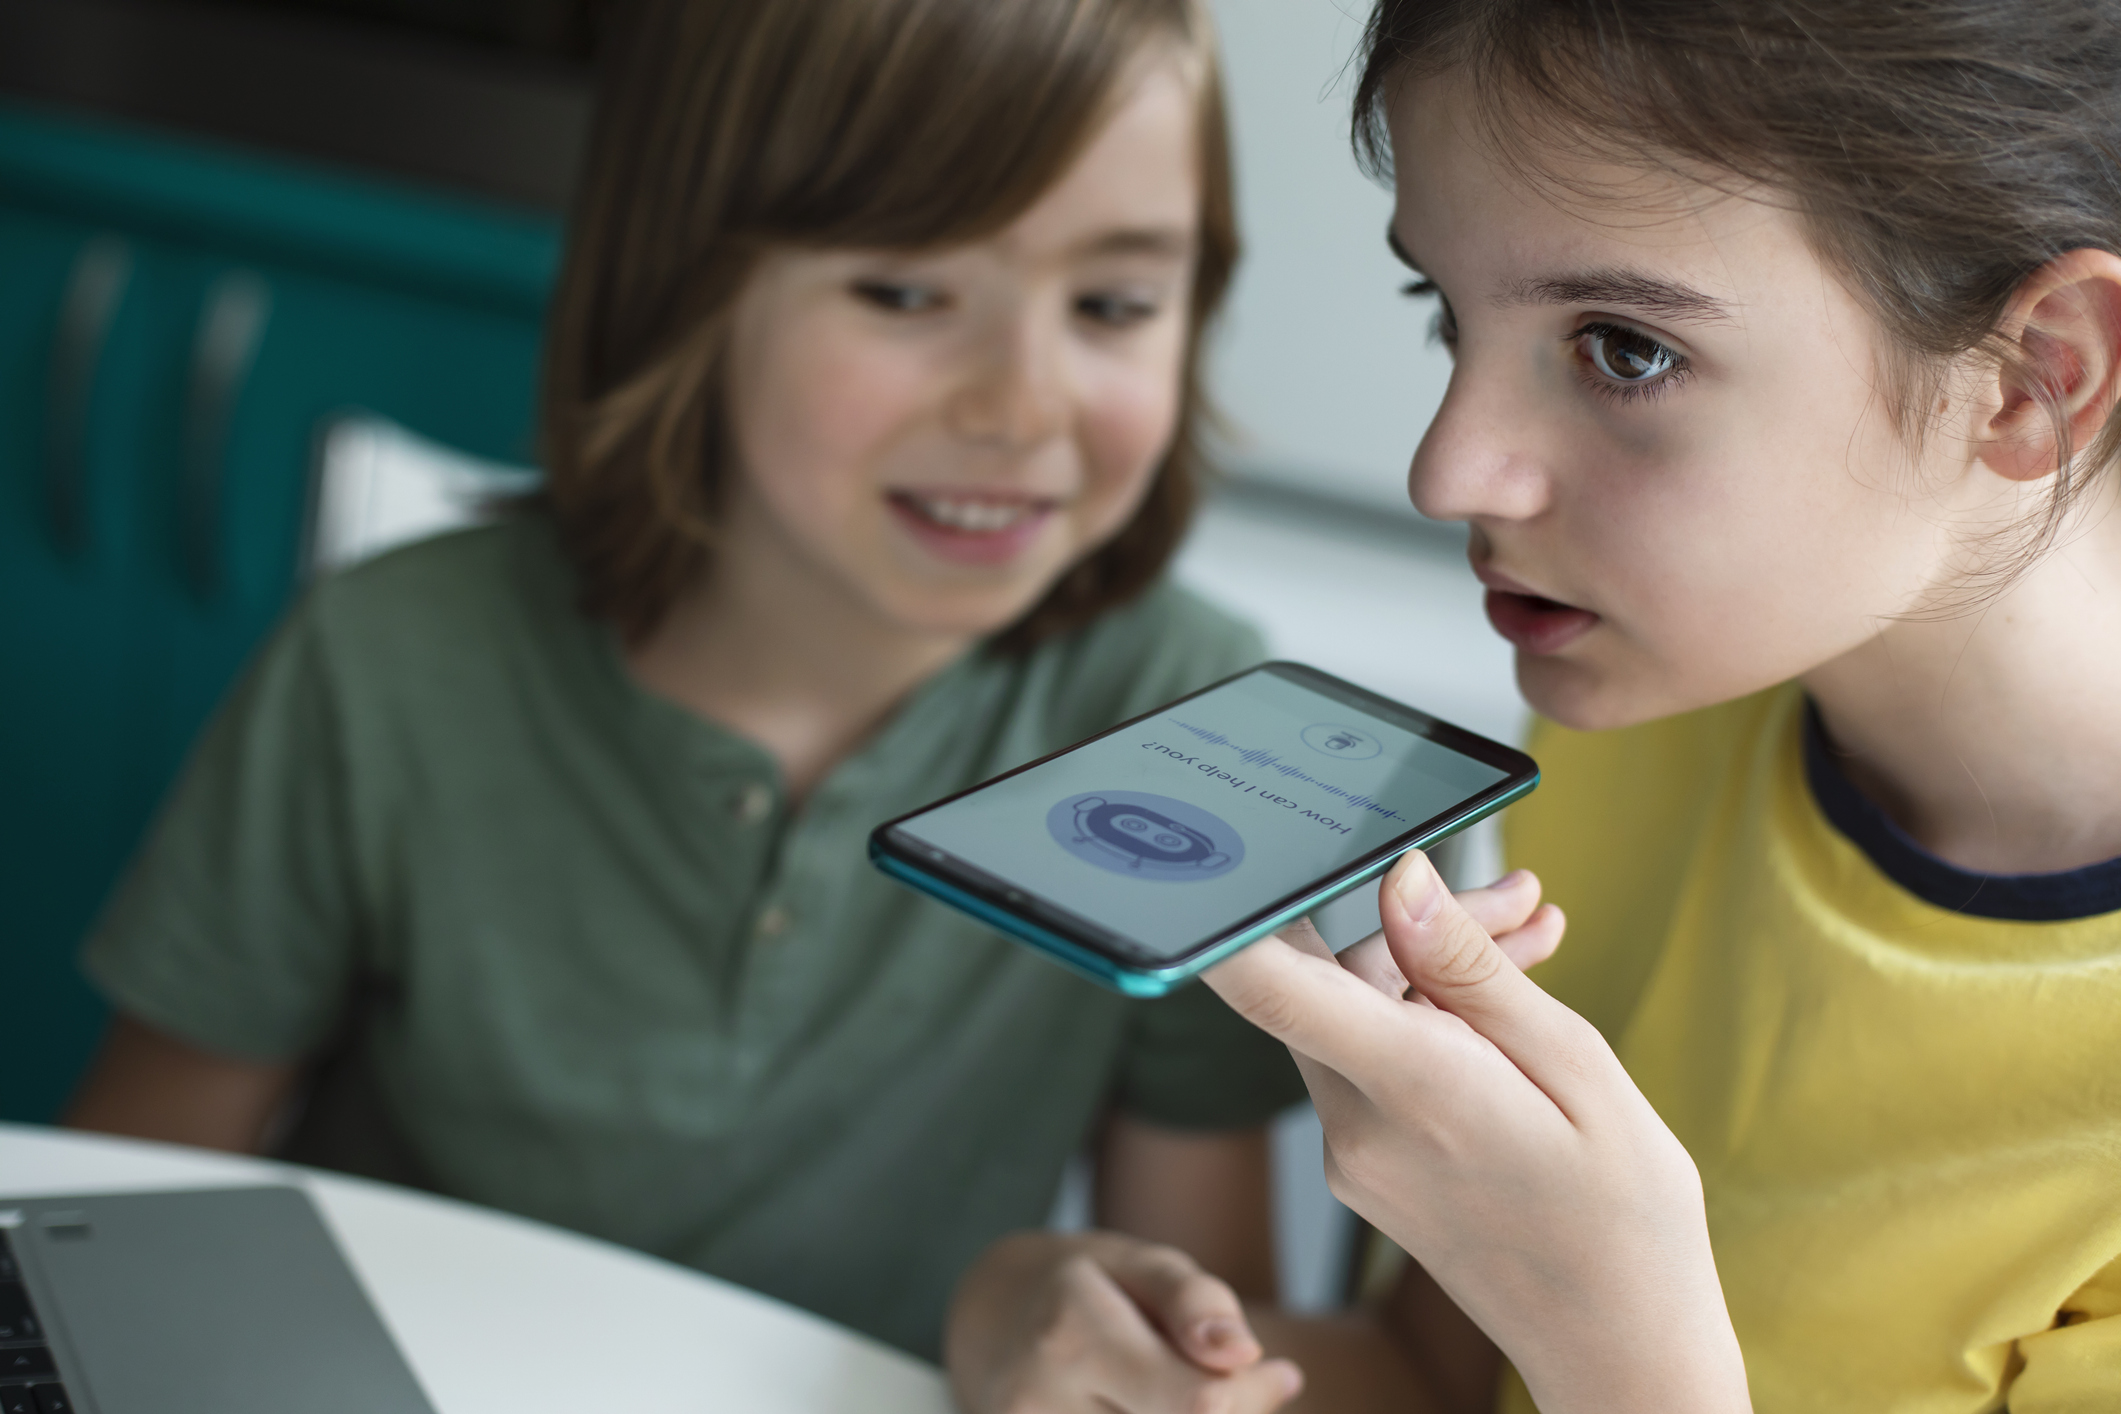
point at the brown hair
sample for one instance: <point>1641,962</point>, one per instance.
<point>725,127</point>
<point>1939,151</point>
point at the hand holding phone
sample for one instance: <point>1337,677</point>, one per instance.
<point>1526,1173</point>
<point>1155,849</point>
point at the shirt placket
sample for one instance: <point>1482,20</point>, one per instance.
<point>765,923</point>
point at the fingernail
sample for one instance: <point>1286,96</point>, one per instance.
<point>1216,1333</point>
<point>1420,891</point>
<point>1510,880</point>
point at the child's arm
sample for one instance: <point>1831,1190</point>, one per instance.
<point>1492,1133</point>
<point>1459,1365</point>
<point>1107,1319</point>
<point>1051,1322</point>
<point>1209,1193</point>
<point>150,1085</point>
<point>1055,1323</point>
<point>1113,1319</point>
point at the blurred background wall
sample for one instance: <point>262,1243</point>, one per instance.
<point>1329,376</point>
<point>271,281</point>
<point>1331,371</point>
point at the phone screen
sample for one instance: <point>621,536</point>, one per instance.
<point>1171,830</point>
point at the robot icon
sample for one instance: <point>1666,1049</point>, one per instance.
<point>1145,836</point>
<point>1141,832</point>
<point>1347,743</point>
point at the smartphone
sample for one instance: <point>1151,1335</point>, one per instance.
<point>1162,846</point>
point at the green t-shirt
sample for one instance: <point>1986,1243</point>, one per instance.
<point>562,948</point>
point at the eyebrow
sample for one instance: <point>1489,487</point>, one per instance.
<point>1141,240</point>
<point>1665,298</point>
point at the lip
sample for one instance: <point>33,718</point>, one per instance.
<point>1531,621</point>
<point>972,547</point>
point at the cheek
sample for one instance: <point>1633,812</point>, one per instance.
<point>812,413</point>
<point>1747,553</point>
<point>1130,413</point>
<point>1798,522</point>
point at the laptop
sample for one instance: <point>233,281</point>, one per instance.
<point>217,1301</point>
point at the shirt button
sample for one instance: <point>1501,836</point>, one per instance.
<point>772,923</point>
<point>753,803</point>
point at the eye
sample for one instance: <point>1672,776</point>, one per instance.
<point>1625,356</point>
<point>1443,329</point>
<point>1117,311</point>
<point>898,296</point>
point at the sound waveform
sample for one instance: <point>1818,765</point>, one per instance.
<point>1272,761</point>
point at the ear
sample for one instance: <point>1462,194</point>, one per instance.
<point>2066,322</point>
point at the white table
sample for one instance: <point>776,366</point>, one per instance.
<point>498,1313</point>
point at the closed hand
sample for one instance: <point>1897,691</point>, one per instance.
<point>1100,1323</point>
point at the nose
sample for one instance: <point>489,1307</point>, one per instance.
<point>1482,458</point>
<point>1014,392</point>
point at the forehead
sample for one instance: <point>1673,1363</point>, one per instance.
<point>1482,215</point>
<point>1139,170</point>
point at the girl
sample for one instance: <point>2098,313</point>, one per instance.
<point>527,864</point>
<point>1788,343</point>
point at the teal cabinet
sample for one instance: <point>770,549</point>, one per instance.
<point>177,323</point>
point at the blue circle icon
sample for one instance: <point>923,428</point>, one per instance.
<point>1333,739</point>
<point>1145,836</point>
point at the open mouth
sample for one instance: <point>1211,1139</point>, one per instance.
<point>977,528</point>
<point>1537,624</point>
<point>970,515</point>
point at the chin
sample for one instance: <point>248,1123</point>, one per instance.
<point>979,614</point>
<point>1599,697</point>
<point>1588,698</point>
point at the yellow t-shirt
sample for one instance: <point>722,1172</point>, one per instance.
<point>1907,1119</point>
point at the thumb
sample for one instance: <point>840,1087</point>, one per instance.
<point>1451,961</point>
<point>1199,1314</point>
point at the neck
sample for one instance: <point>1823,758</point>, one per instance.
<point>779,651</point>
<point>1992,737</point>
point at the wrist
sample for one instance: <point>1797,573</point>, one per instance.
<point>1688,1365</point>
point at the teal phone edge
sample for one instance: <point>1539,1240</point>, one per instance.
<point>1156,982</point>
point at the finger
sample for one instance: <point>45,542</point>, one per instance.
<point>1175,1387</point>
<point>1316,1008</point>
<point>1530,943</point>
<point>1105,1353</point>
<point>1372,960</point>
<point>1505,905</point>
<point>1458,967</point>
<point>1535,942</point>
<point>1123,1364</point>
<point>1198,1313</point>
<point>1304,936</point>
<point>1503,909</point>
<point>1261,1389</point>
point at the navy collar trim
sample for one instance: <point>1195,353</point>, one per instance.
<point>2023,898</point>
